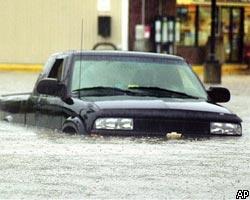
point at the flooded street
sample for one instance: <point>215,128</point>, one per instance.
<point>39,164</point>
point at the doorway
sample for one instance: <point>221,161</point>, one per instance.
<point>232,30</point>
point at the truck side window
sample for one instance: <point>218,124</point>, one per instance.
<point>56,70</point>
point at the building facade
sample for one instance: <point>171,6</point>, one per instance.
<point>192,27</point>
<point>31,30</point>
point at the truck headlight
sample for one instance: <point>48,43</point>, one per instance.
<point>218,128</point>
<point>114,123</point>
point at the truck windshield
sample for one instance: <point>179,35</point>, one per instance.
<point>126,73</point>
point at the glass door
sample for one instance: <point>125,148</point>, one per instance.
<point>232,29</point>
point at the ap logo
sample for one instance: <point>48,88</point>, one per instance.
<point>242,194</point>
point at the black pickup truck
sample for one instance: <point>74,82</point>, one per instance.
<point>123,94</point>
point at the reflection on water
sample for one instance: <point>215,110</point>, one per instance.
<point>38,163</point>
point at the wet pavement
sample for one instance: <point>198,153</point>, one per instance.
<point>39,164</point>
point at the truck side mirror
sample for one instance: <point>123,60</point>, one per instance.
<point>51,86</point>
<point>219,94</point>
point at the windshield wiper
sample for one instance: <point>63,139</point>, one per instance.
<point>158,91</point>
<point>104,91</point>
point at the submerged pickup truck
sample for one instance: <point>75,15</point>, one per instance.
<point>123,94</point>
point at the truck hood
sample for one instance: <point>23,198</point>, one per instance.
<point>148,110</point>
<point>134,103</point>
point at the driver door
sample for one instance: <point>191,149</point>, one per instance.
<point>49,108</point>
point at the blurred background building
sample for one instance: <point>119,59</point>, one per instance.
<point>185,25</point>
<point>31,30</point>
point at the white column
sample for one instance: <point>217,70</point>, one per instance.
<point>124,24</point>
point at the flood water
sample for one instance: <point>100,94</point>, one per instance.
<point>39,164</point>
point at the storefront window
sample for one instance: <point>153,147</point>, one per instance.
<point>186,15</point>
<point>204,25</point>
<point>232,27</point>
<point>247,26</point>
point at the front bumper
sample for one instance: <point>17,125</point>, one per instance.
<point>160,128</point>
<point>158,123</point>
